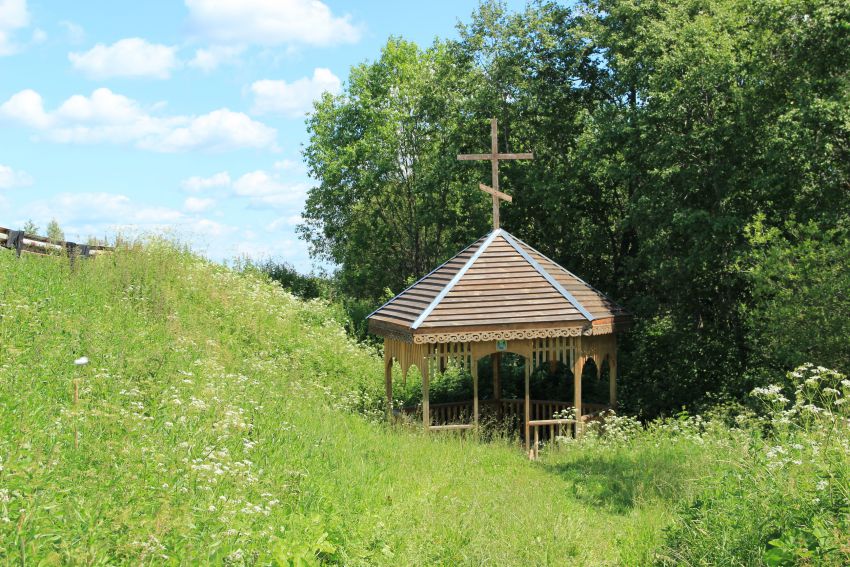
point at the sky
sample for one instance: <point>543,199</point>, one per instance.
<point>184,117</point>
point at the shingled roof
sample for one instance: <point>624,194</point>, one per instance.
<point>496,287</point>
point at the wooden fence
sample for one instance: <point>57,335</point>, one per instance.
<point>457,415</point>
<point>43,246</point>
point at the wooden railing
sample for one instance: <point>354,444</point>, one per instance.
<point>43,246</point>
<point>543,424</point>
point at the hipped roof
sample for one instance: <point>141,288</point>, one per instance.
<point>498,283</point>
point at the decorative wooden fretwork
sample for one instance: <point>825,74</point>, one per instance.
<point>504,335</point>
<point>446,354</point>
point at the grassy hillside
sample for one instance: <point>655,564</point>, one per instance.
<point>221,420</point>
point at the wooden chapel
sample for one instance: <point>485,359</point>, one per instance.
<point>501,295</point>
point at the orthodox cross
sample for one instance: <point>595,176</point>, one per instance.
<point>494,156</point>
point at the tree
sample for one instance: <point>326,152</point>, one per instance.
<point>661,131</point>
<point>54,231</point>
<point>391,201</point>
<point>800,281</point>
<point>30,228</point>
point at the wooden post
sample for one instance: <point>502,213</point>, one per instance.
<point>475,393</point>
<point>536,443</point>
<point>426,410</point>
<point>388,379</point>
<point>527,366</point>
<point>612,384</point>
<point>494,167</point>
<point>577,371</point>
<point>496,362</point>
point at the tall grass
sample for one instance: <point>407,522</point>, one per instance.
<point>221,420</point>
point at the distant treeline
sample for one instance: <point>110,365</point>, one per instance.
<point>692,160</point>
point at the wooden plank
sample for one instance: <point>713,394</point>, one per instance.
<point>506,312</point>
<point>505,306</point>
<point>493,318</point>
<point>538,422</point>
<point>495,193</point>
<point>451,427</point>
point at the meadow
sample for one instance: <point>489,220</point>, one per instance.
<point>221,420</point>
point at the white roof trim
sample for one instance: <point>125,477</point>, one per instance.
<point>445,291</point>
<point>549,277</point>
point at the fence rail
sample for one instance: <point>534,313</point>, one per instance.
<point>43,246</point>
<point>542,422</point>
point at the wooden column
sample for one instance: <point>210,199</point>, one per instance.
<point>612,385</point>
<point>426,410</point>
<point>388,385</point>
<point>578,368</point>
<point>475,393</point>
<point>496,362</point>
<point>527,366</point>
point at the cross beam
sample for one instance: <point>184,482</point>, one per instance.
<point>497,194</point>
<point>494,156</point>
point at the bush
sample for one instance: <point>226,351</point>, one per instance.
<point>788,501</point>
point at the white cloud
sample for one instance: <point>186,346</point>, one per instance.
<point>264,189</point>
<point>196,184</point>
<point>107,117</point>
<point>26,107</point>
<point>13,17</point>
<point>9,178</point>
<point>87,214</point>
<point>198,205</point>
<point>131,57</point>
<point>111,208</point>
<point>209,59</point>
<point>296,98</point>
<point>289,221</point>
<point>270,22</point>
<point>218,130</point>
<point>76,33</point>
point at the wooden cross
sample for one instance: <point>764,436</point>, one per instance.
<point>494,156</point>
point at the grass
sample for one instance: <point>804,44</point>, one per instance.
<point>223,421</point>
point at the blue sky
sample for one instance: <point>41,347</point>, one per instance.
<point>176,116</point>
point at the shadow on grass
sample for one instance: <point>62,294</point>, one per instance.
<point>619,481</point>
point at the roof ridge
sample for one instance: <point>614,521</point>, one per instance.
<point>547,276</point>
<point>414,284</point>
<point>445,291</point>
<point>581,280</point>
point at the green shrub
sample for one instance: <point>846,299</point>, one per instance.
<point>787,502</point>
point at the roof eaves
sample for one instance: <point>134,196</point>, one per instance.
<point>549,277</point>
<point>414,284</point>
<point>445,291</point>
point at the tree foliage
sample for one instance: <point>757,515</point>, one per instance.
<point>661,131</point>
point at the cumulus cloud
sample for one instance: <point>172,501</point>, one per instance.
<point>270,22</point>
<point>196,184</point>
<point>261,188</point>
<point>9,178</point>
<point>211,58</point>
<point>107,117</point>
<point>101,213</point>
<point>198,204</point>
<point>99,208</point>
<point>14,16</point>
<point>131,57</point>
<point>296,98</point>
